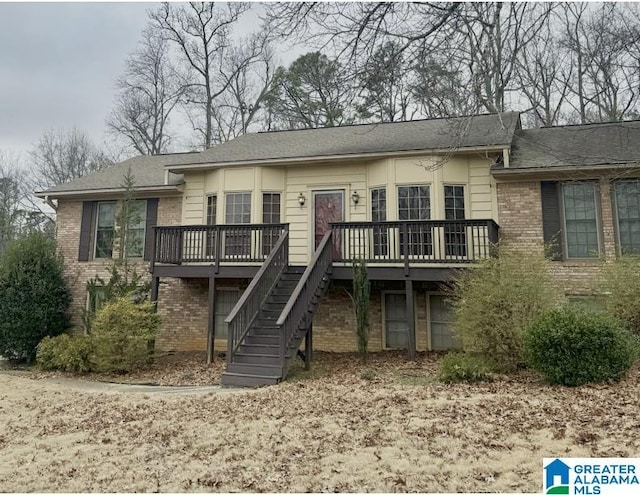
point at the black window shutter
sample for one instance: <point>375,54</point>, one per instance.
<point>152,221</point>
<point>86,230</point>
<point>551,223</point>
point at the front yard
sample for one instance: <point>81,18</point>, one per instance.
<point>389,426</point>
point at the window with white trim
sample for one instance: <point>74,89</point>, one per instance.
<point>379,214</point>
<point>105,229</point>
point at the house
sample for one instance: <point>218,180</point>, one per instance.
<point>249,245</point>
<point>575,189</point>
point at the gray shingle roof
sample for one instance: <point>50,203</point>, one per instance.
<point>440,134</point>
<point>460,132</point>
<point>148,171</point>
<point>614,143</point>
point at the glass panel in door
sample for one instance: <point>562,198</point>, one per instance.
<point>395,321</point>
<point>238,239</point>
<point>224,303</point>
<point>441,317</point>
<point>328,207</point>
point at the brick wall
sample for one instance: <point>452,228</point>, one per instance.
<point>77,273</point>
<point>520,213</point>
<point>334,325</point>
<point>183,304</point>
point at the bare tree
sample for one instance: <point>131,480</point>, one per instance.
<point>241,106</point>
<point>148,92</point>
<point>490,37</point>
<point>474,46</point>
<point>11,195</point>
<point>601,43</point>
<point>201,33</point>
<point>358,29</point>
<point>544,76</point>
<point>61,156</point>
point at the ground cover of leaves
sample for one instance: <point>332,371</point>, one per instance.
<point>388,426</point>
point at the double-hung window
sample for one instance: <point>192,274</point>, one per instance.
<point>627,201</point>
<point>136,223</point>
<point>134,238</point>
<point>238,211</point>
<point>455,237</point>
<point>379,214</point>
<point>211,220</point>
<point>580,219</point>
<point>570,223</point>
<point>270,215</point>
<point>105,229</point>
<point>414,203</point>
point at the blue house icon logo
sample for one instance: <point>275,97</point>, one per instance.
<point>556,478</point>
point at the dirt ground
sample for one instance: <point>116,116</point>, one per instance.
<point>387,426</point>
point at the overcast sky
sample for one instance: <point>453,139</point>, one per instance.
<point>58,63</point>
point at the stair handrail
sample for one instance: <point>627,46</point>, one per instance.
<point>298,303</point>
<point>248,306</point>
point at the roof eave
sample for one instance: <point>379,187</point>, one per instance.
<point>544,172</point>
<point>163,189</point>
<point>334,158</point>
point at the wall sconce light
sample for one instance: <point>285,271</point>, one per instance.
<point>301,199</point>
<point>355,197</point>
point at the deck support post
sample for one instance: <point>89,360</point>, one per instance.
<point>211,334</point>
<point>408,284</point>
<point>155,289</point>
<point>308,348</point>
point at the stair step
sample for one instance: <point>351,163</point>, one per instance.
<point>274,305</point>
<point>268,359</point>
<point>243,380</point>
<point>280,298</point>
<point>255,369</point>
<point>268,330</point>
<point>269,349</point>
<point>262,339</point>
<point>269,312</point>
<point>297,270</point>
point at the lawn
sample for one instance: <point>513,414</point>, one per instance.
<point>387,426</point>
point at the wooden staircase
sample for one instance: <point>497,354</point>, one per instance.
<point>263,342</point>
<point>257,360</point>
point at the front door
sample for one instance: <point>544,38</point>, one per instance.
<point>328,207</point>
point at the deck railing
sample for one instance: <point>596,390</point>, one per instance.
<point>216,243</point>
<point>408,242</point>
<point>300,301</point>
<point>418,241</point>
<point>247,308</point>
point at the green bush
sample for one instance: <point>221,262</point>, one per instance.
<point>65,353</point>
<point>462,367</point>
<point>621,282</point>
<point>122,335</point>
<point>572,346</point>
<point>495,302</point>
<point>33,297</point>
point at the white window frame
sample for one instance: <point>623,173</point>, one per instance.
<point>95,230</point>
<point>144,229</point>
